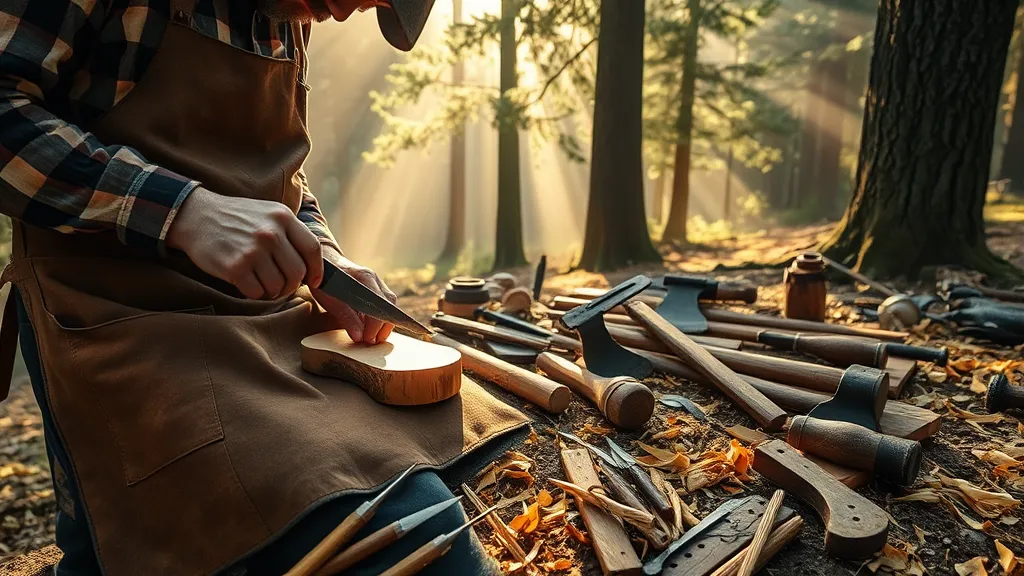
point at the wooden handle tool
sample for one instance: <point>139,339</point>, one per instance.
<point>896,460</point>
<point>623,401</point>
<point>432,550</point>
<point>348,528</point>
<point>838,350</point>
<point>764,529</point>
<point>765,321</point>
<point>637,337</point>
<point>760,408</point>
<point>855,527</point>
<point>651,493</point>
<point>528,385</point>
<point>611,544</point>
<point>381,539</point>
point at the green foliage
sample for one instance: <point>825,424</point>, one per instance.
<point>731,107</point>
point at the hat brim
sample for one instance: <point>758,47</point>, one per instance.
<point>403,22</point>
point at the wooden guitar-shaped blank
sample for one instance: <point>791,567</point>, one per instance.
<point>402,371</point>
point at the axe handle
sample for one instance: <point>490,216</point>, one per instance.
<point>839,350</point>
<point>765,321</point>
<point>754,403</point>
<point>729,293</point>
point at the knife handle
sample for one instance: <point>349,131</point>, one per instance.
<point>651,493</point>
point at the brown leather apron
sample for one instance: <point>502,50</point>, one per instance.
<point>193,431</point>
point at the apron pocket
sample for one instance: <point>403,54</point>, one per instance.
<point>149,374</point>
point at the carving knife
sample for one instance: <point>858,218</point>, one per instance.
<point>642,481</point>
<point>338,284</point>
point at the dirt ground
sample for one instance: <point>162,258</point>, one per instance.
<point>933,534</point>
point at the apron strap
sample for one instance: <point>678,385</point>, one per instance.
<point>298,39</point>
<point>184,7</point>
<point>8,340</point>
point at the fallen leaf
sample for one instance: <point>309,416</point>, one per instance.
<point>489,478</point>
<point>1007,559</point>
<point>973,567</point>
<point>978,386</point>
<point>897,560</point>
<point>661,458</point>
<point>964,365</point>
<point>920,534</point>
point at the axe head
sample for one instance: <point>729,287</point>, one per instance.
<point>603,355</point>
<point>681,307</point>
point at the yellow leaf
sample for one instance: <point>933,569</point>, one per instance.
<point>973,567</point>
<point>1007,559</point>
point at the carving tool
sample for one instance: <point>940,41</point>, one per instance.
<point>338,284</point>
<point>760,408</point>
<point>642,481</point>
<point>381,538</point>
<point>345,531</point>
<point>714,539</point>
<point>432,550</point>
<point>855,527</point>
<point>1002,395</point>
<point>618,485</point>
<point>622,400</point>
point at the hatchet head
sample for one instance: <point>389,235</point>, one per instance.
<point>680,306</point>
<point>603,355</point>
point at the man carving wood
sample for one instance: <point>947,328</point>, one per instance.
<point>165,263</point>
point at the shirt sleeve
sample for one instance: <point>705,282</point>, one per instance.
<point>313,218</point>
<point>52,173</point>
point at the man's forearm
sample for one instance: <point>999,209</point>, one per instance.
<point>55,175</point>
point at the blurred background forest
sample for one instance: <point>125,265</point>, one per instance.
<point>407,149</point>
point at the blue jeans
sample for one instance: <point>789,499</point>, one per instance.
<point>420,490</point>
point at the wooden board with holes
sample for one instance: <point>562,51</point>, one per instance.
<point>403,371</point>
<point>901,371</point>
<point>611,543</point>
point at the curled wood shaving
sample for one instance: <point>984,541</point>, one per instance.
<point>972,417</point>
<point>973,567</point>
<point>597,497</point>
<point>664,459</point>
<point>1007,559</point>
<point>898,560</point>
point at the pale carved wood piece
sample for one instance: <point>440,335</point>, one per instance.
<point>402,371</point>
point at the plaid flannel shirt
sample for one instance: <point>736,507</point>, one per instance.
<point>68,61</point>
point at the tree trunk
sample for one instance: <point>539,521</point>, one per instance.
<point>456,237</point>
<point>658,209</point>
<point>508,246</point>
<point>616,231</point>
<point>830,135</point>
<point>675,228</point>
<point>924,160</point>
<point>1013,153</point>
<point>775,179</point>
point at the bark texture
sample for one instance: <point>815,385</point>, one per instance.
<point>455,239</point>
<point>675,228</point>
<point>1013,153</point>
<point>927,139</point>
<point>616,231</point>
<point>508,245</point>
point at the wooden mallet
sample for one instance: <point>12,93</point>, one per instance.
<point>623,401</point>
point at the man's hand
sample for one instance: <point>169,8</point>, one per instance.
<point>360,328</point>
<point>258,246</point>
<point>266,252</point>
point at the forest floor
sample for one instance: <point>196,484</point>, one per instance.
<point>948,536</point>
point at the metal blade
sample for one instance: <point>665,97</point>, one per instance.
<point>654,565</point>
<point>620,453</point>
<point>338,284</point>
<point>413,520</point>
<point>597,451</point>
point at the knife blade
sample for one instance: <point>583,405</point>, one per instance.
<point>643,482</point>
<point>339,284</point>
